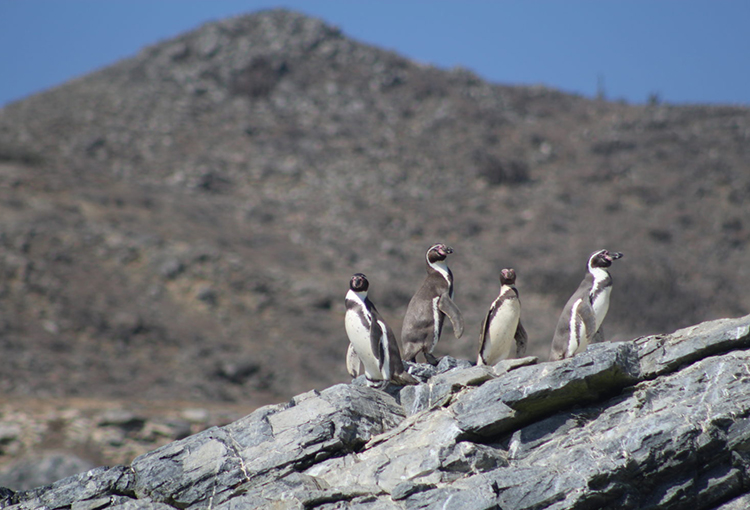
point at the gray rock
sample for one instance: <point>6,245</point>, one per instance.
<point>406,489</point>
<point>94,484</point>
<point>447,363</point>
<point>660,354</point>
<point>269,444</point>
<point>534,391</point>
<point>440,388</point>
<point>661,458</point>
<point>740,503</point>
<point>123,503</point>
<point>623,425</point>
<point>42,469</point>
<point>422,371</point>
<point>506,365</point>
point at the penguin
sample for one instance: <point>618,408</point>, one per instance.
<point>502,324</point>
<point>372,340</point>
<point>584,312</point>
<point>427,309</point>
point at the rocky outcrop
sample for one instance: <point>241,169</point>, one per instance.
<point>658,422</point>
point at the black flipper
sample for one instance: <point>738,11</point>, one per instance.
<point>521,340</point>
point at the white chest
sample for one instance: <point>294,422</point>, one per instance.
<point>579,334</point>
<point>600,303</point>
<point>502,331</point>
<point>356,330</point>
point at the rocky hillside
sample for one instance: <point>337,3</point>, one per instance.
<point>183,223</point>
<point>657,422</point>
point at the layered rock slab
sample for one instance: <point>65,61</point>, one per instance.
<point>658,422</point>
<point>269,444</point>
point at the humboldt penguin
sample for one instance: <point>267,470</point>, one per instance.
<point>372,340</point>
<point>427,309</point>
<point>585,310</point>
<point>502,325</point>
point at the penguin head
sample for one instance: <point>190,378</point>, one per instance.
<point>603,258</point>
<point>359,283</point>
<point>507,276</point>
<point>438,252</point>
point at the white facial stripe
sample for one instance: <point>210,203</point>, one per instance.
<point>441,266</point>
<point>599,273</point>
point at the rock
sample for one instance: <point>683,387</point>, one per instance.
<point>439,389</point>
<point>638,449</point>
<point>447,363</point>
<point>660,354</point>
<point>422,371</point>
<point>271,443</point>
<point>506,365</point>
<point>533,391</point>
<point>41,470</point>
<point>658,422</point>
<point>96,484</point>
<point>741,503</point>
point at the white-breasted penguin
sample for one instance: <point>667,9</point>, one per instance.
<point>428,308</point>
<point>371,338</point>
<point>502,324</point>
<point>585,310</point>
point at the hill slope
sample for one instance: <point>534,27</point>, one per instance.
<point>183,224</point>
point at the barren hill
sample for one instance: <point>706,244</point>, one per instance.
<point>183,223</point>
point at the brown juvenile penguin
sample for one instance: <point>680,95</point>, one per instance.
<point>428,308</point>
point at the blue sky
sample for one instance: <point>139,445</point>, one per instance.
<point>682,50</point>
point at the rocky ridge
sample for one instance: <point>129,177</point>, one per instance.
<point>183,224</point>
<point>657,422</point>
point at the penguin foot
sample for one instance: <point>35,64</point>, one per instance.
<point>377,384</point>
<point>404,379</point>
<point>432,360</point>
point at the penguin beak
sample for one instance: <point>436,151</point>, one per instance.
<point>615,255</point>
<point>446,250</point>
